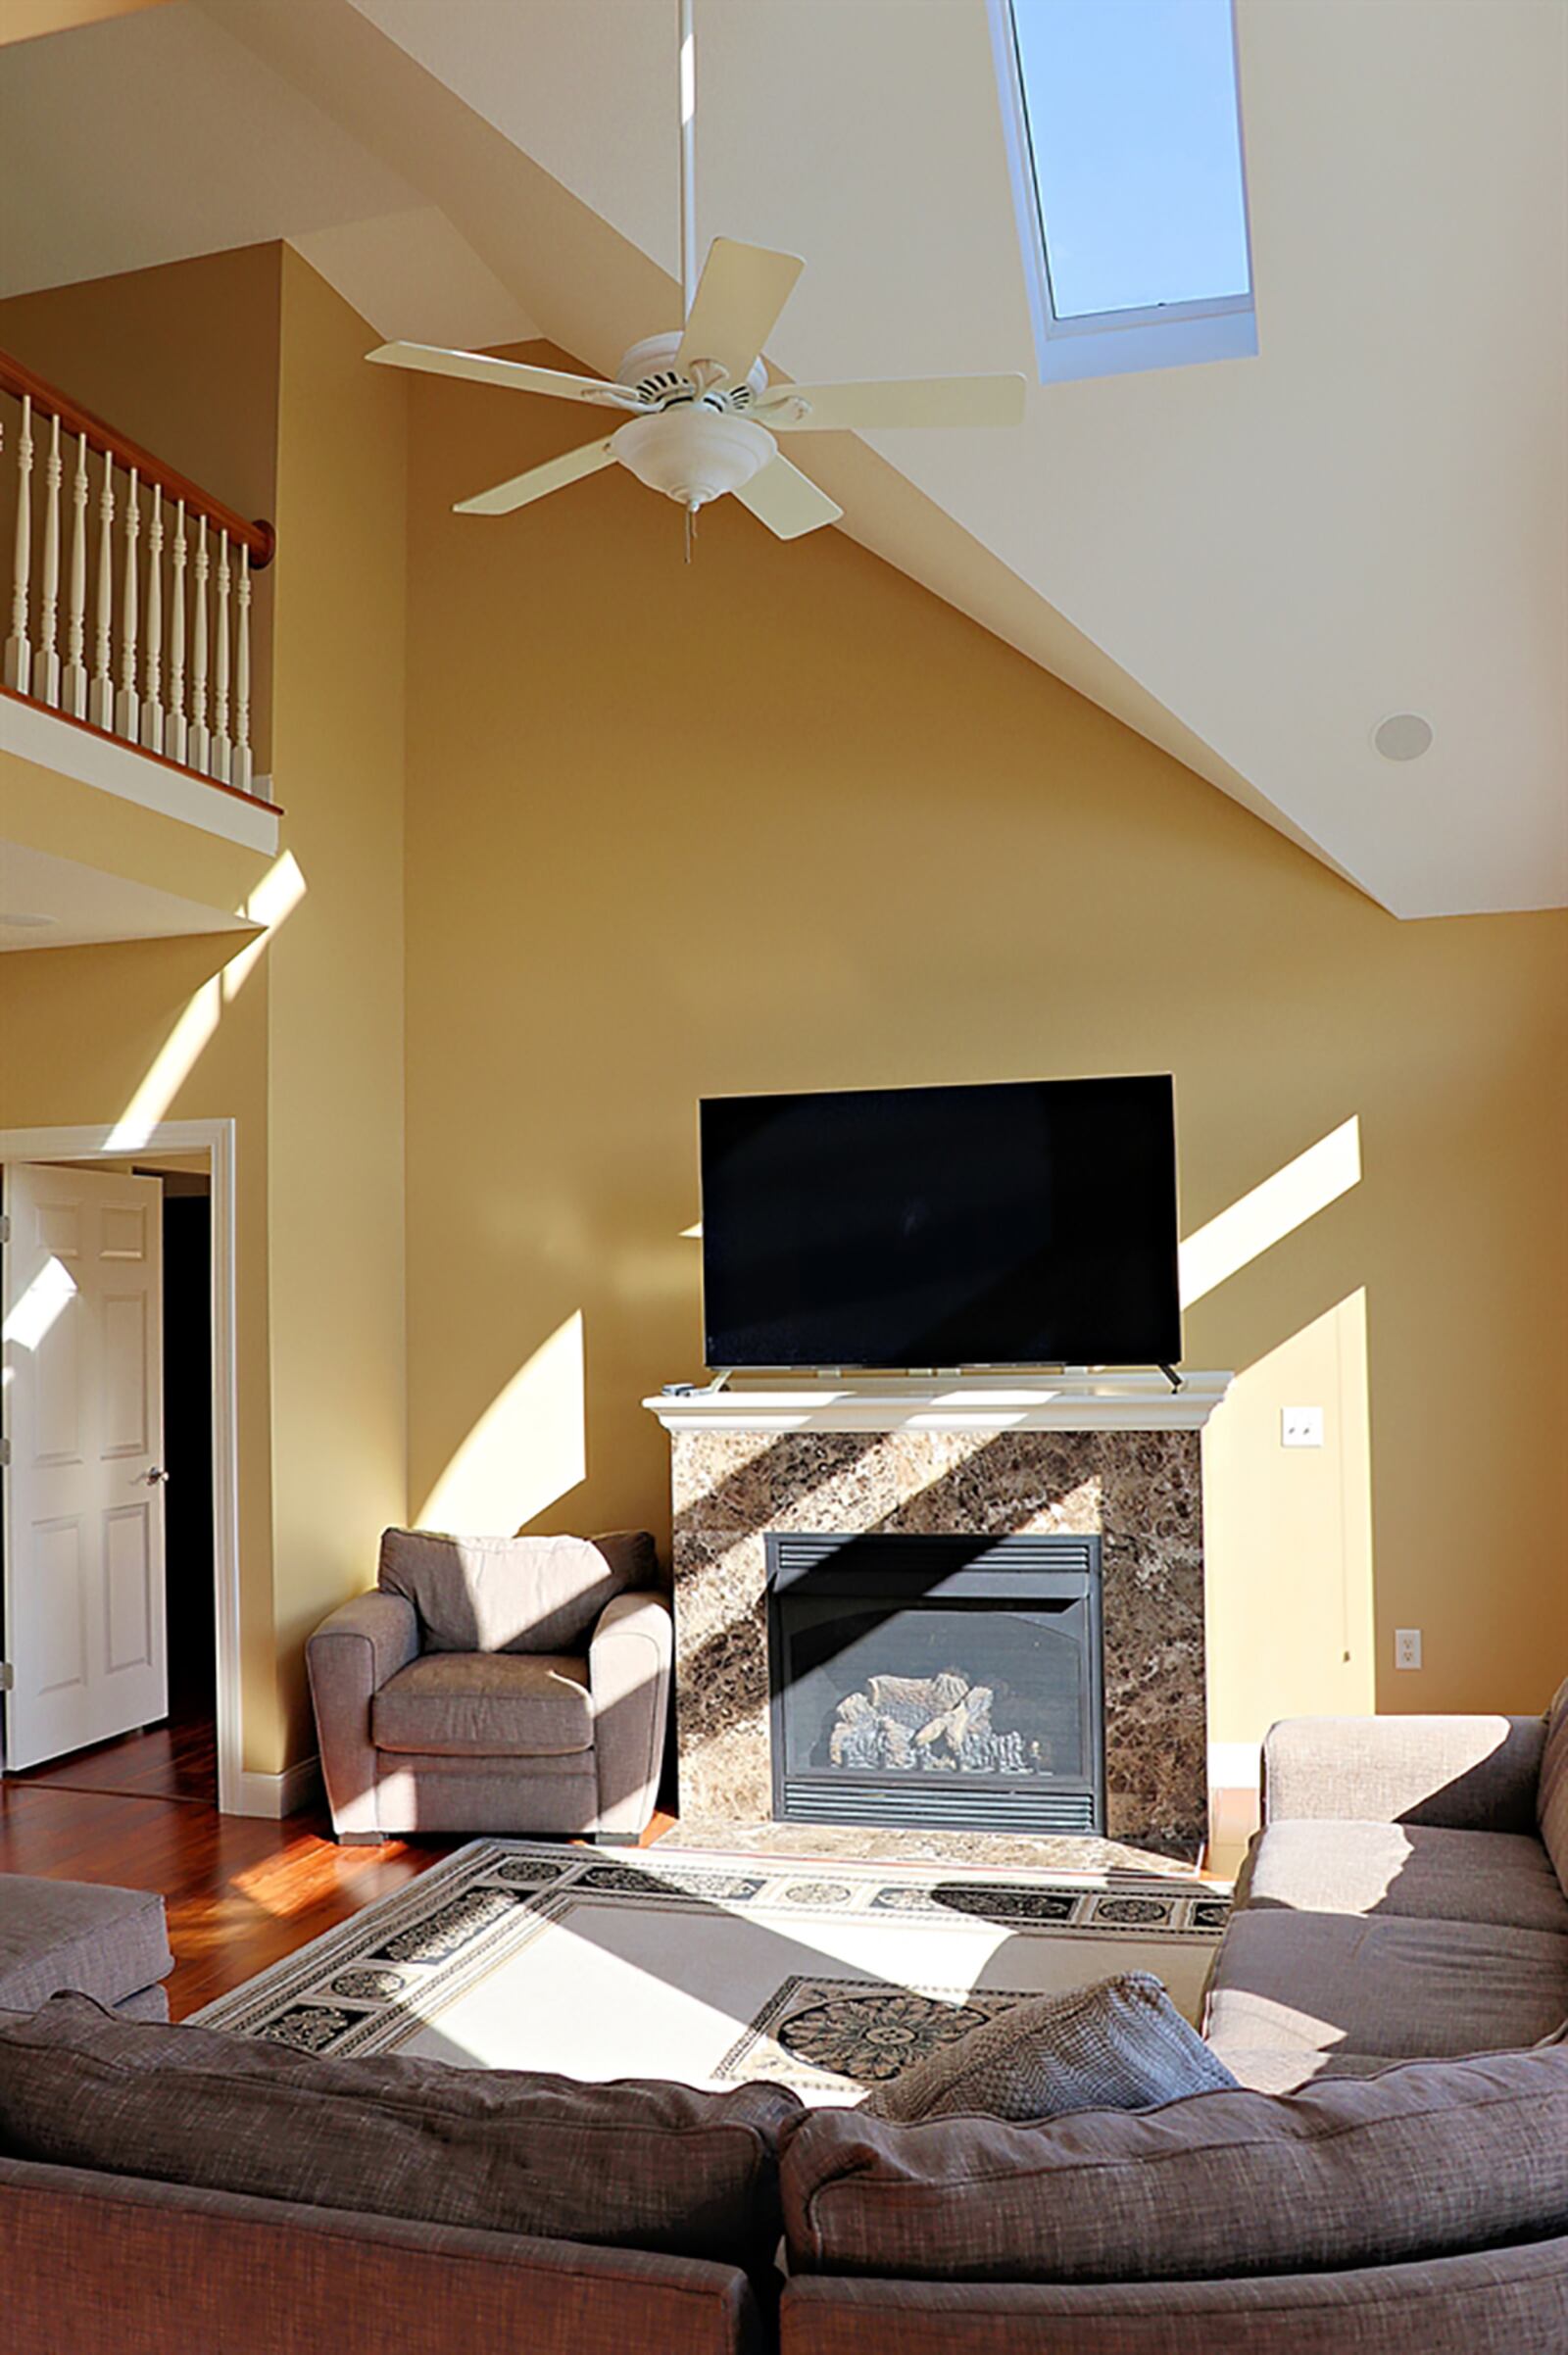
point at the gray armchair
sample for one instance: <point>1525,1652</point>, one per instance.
<point>508,1684</point>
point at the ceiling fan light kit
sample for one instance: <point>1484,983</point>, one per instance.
<point>704,415</point>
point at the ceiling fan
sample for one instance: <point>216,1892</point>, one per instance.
<point>701,417</point>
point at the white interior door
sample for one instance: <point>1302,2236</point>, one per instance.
<point>81,1307</point>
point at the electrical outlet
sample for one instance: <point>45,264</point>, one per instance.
<point>1407,1648</point>
<point>1300,1425</point>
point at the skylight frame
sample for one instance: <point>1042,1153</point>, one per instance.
<point>1112,343</point>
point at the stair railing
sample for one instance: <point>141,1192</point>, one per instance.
<point>176,679</point>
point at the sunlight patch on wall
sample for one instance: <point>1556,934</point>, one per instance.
<point>40,1305</point>
<point>1288,1535</point>
<point>275,900</point>
<point>1273,1209</point>
<point>168,1070</point>
<point>527,1451</point>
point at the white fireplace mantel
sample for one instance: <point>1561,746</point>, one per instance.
<point>1135,1401</point>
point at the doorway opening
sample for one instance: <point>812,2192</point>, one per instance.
<point>122,1647</point>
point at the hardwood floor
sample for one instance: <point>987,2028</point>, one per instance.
<point>241,1892</point>
<point>174,1761</point>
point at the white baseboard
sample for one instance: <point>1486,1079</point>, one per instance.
<point>278,1796</point>
<point>1235,1765</point>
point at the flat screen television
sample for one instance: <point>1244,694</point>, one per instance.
<point>1025,1224</point>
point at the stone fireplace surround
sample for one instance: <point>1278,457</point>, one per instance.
<point>1113,1457</point>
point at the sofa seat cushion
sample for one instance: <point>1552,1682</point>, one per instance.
<point>633,2165</point>
<point>1425,2159</point>
<point>107,1942</point>
<point>507,1704</point>
<point>528,1595</point>
<point>1407,1987</point>
<point>1413,1869</point>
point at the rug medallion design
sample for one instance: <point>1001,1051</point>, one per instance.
<point>532,1955</point>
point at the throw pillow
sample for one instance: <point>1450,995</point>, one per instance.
<point>1120,2045</point>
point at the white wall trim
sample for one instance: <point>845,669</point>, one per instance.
<point>215,1138</point>
<point>1133,1402</point>
<point>278,1796</point>
<point>92,759</point>
<point>1235,1765</point>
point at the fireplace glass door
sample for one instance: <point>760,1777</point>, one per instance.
<point>937,1681</point>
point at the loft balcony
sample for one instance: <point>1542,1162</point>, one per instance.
<point>132,806</point>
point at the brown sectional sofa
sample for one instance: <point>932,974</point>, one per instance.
<point>1422,2210</point>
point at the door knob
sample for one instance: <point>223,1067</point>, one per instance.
<point>156,1477</point>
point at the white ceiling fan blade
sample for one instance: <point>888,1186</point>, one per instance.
<point>539,481</point>
<point>429,359</point>
<point>901,401</point>
<point>787,501</point>
<point>742,290</point>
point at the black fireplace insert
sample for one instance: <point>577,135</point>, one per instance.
<point>937,1681</point>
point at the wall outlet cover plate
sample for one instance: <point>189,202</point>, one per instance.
<point>1300,1425</point>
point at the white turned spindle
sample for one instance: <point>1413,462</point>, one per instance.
<point>126,708</point>
<point>101,701</point>
<point>174,723</point>
<point>241,775</point>
<point>19,653</point>
<point>74,693</point>
<point>200,742</point>
<point>46,661</point>
<point>223,748</point>
<point>152,702</point>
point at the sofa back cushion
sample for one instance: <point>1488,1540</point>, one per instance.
<point>633,2165</point>
<point>1426,2158</point>
<point>1552,1795</point>
<point>511,1594</point>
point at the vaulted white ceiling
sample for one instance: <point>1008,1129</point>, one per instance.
<point>1253,561</point>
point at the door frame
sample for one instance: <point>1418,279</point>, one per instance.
<point>215,1138</point>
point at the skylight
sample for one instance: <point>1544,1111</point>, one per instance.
<point>1124,126</point>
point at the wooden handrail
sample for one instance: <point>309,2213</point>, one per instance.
<point>16,377</point>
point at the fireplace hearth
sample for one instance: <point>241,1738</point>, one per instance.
<point>941,1680</point>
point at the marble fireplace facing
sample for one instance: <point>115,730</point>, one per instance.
<point>950,1751</point>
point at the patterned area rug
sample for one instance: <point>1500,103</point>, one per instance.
<point>523,1954</point>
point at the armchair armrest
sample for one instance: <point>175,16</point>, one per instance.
<point>1464,1774</point>
<point>629,1657</point>
<point>356,1649</point>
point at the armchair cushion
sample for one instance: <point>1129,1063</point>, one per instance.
<point>477,1704</point>
<point>510,1595</point>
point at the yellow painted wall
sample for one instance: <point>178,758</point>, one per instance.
<point>80,1030</point>
<point>28,20</point>
<point>298,1035</point>
<point>335,1168</point>
<point>784,820</point>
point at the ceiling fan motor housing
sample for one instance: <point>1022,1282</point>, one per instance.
<point>693,454</point>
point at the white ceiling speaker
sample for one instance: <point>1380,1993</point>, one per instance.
<point>1403,736</point>
<point>700,413</point>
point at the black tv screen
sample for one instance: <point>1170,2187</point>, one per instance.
<point>1027,1224</point>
